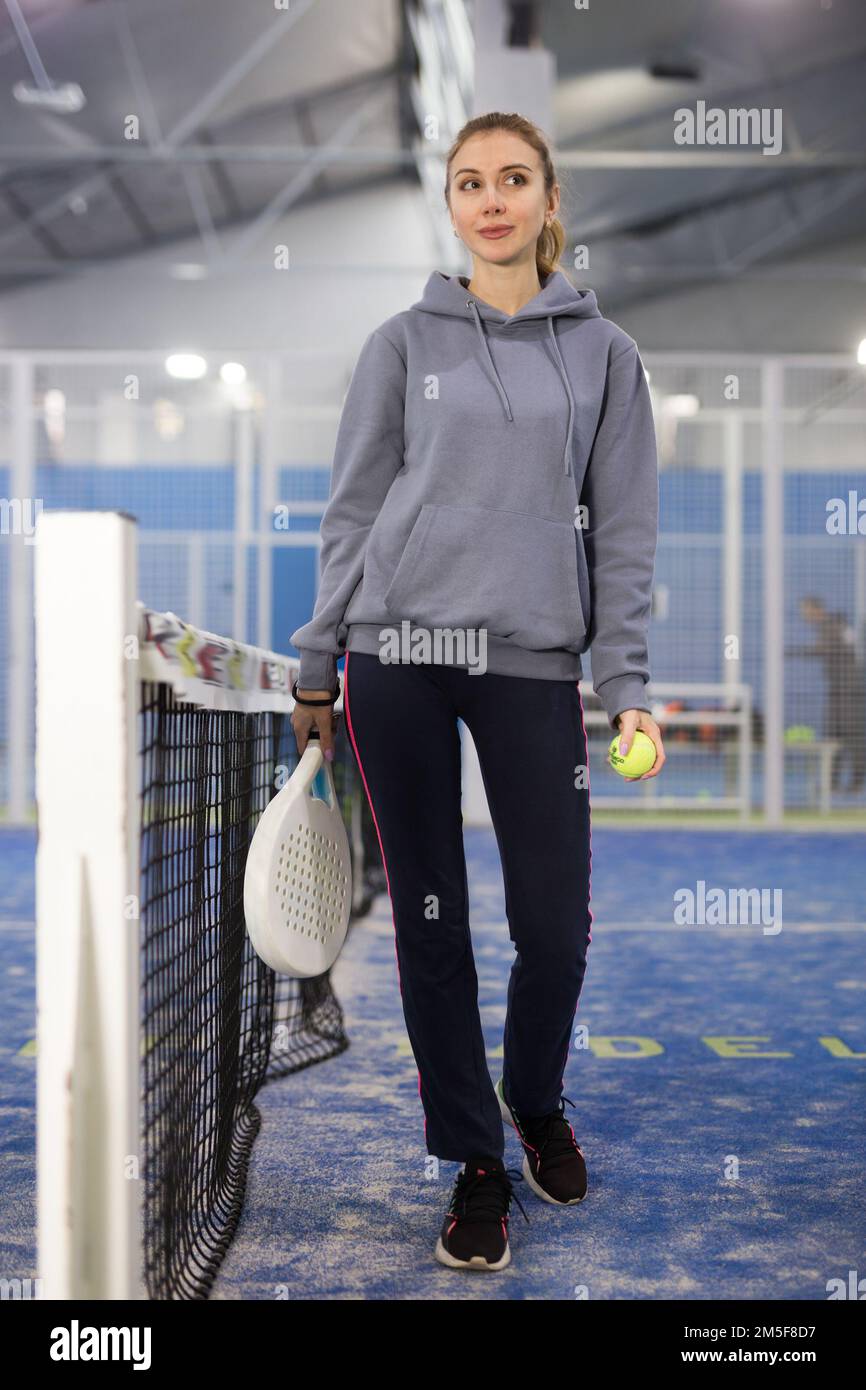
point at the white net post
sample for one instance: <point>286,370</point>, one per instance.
<point>87,882</point>
<point>19,652</point>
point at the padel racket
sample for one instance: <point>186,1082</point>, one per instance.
<point>298,879</point>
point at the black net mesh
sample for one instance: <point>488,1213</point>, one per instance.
<point>217,1023</point>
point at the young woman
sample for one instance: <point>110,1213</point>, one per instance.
<point>493,512</point>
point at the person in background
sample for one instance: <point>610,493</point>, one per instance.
<point>845,710</point>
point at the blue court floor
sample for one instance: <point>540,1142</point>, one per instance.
<point>720,1099</point>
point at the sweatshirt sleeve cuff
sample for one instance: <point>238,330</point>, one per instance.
<point>317,670</point>
<point>622,693</point>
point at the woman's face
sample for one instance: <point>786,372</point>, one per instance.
<point>496,183</point>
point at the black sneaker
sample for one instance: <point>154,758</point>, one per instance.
<point>475,1231</point>
<point>553,1162</point>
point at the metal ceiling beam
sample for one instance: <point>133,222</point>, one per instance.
<point>58,206</point>
<point>634,271</point>
<point>23,214</point>
<point>694,158</point>
<point>27,267</point>
<point>269,39</point>
<point>191,174</point>
<point>166,148</point>
<point>755,92</point>
<point>289,194</point>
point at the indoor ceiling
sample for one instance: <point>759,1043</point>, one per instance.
<point>239,113</point>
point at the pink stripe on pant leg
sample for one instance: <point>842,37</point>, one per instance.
<point>589,875</point>
<point>589,795</point>
<point>384,861</point>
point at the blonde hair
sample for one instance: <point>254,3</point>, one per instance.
<point>551,241</point>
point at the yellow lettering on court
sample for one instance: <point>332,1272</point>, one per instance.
<point>837,1048</point>
<point>733,1046</point>
<point>624,1047</point>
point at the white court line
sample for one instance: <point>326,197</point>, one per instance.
<point>374,918</point>
<point>377,919</point>
<point>728,927</point>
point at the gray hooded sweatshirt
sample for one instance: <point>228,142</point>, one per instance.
<point>493,474</point>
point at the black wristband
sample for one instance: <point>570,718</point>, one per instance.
<point>329,701</point>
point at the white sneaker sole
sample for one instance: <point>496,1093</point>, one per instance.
<point>540,1192</point>
<point>506,1113</point>
<point>527,1168</point>
<point>477,1262</point>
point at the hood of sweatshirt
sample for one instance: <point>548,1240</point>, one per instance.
<point>449,295</point>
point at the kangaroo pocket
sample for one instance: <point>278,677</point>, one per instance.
<point>511,573</point>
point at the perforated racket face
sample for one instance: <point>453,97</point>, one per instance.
<point>311,885</point>
<point>298,878</point>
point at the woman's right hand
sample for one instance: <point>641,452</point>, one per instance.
<point>321,717</point>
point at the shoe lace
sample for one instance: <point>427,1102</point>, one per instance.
<point>552,1136</point>
<point>489,1190</point>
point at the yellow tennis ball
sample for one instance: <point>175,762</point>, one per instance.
<point>639,758</point>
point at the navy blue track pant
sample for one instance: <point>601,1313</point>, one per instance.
<point>531,741</point>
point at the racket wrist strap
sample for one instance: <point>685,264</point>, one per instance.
<point>331,699</point>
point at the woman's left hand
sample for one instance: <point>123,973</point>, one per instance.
<point>630,720</point>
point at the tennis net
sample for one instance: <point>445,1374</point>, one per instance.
<point>158,1022</point>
